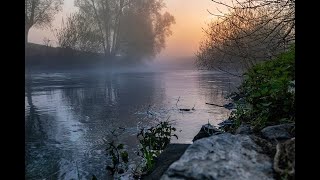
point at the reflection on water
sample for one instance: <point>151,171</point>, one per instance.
<point>69,116</point>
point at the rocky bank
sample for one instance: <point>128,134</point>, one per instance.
<point>244,155</point>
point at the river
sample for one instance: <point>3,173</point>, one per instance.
<point>69,116</point>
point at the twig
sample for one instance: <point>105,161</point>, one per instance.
<point>177,101</point>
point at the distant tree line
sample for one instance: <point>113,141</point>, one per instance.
<point>126,29</point>
<point>134,29</point>
<point>250,31</point>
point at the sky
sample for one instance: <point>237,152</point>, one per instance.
<point>190,16</point>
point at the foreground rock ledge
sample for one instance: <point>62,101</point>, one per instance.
<point>223,156</point>
<point>172,153</point>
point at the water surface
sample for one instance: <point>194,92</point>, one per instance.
<point>69,117</point>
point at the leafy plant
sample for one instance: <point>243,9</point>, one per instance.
<point>118,156</point>
<point>268,93</point>
<point>153,141</point>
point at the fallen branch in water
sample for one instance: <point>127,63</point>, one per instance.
<point>184,109</point>
<point>214,104</point>
<point>187,109</point>
<point>227,106</point>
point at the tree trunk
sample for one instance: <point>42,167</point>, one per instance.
<point>100,26</point>
<point>117,29</point>
<point>26,33</point>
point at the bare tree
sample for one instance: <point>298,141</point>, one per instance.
<point>250,32</point>
<point>78,33</point>
<point>40,13</point>
<point>106,18</point>
<point>135,29</point>
<point>144,29</point>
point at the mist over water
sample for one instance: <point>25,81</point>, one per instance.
<point>69,116</point>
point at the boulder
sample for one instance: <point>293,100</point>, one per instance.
<point>284,159</point>
<point>224,157</point>
<point>243,129</point>
<point>278,132</point>
<point>226,124</point>
<point>171,154</point>
<point>206,131</point>
<point>268,147</point>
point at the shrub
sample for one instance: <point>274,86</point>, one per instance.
<point>153,141</point>
<point>268,93</point>
<point>119,156</point>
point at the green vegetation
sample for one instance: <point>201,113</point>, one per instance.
<point>267,93</point>
<point>153,141</point>
<point>119,157</point>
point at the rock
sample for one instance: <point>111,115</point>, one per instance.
<point>244,129</point>
<point>227,122</point>
<point>223,157</point>
<point>235,96</point>
<point>226,125</point>
<point>279,132</point>
<point>229,106</point>
<point>206,131</point>
<point>268,147</point>
<point>172,153</point>
<point>284,159</point>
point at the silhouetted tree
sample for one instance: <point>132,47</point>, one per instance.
<point>40,13</point>
<point>250,32</point>
<point>144,30</point>
<point>117,28</point>
<point>78,33</point>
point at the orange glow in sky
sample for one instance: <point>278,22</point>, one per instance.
<point>190,16</point>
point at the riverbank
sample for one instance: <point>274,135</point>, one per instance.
<point>268,154</point>
<point>257,141</point>
<point>41,57</point>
